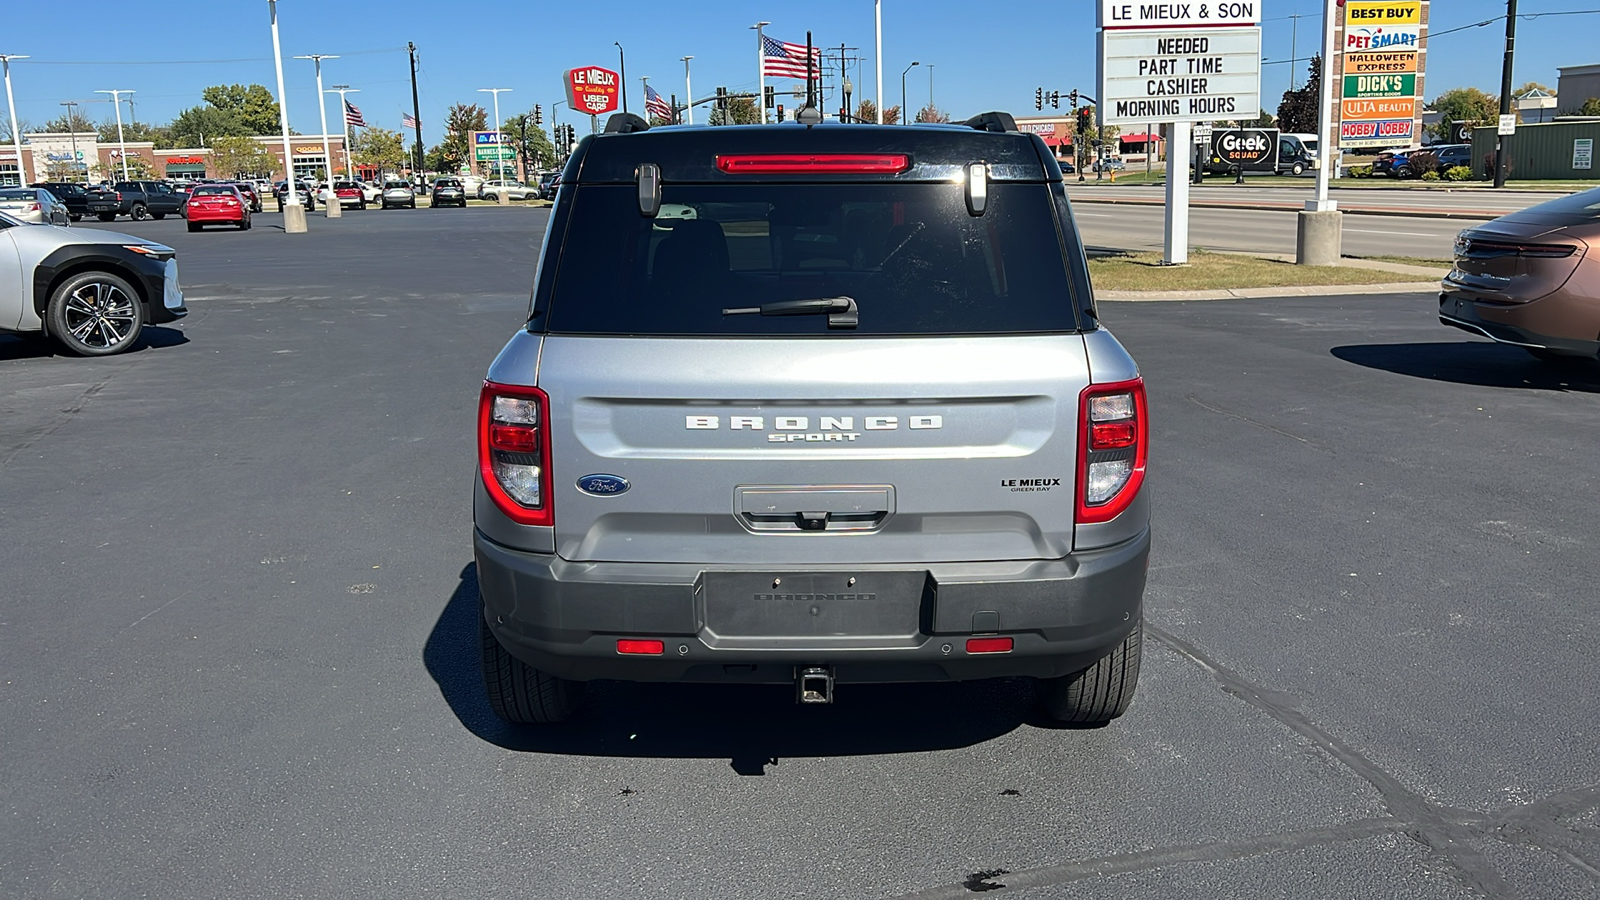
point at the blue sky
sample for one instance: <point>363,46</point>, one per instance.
<point>981,55</point>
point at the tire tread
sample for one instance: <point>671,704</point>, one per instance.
<point>1099,693</point>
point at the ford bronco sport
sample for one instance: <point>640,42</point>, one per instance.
<point>813,406</point>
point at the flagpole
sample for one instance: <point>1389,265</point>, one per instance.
<point>761,71</point>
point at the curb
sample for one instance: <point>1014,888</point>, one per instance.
<point>1324,290</point>
<point>1473,215</point>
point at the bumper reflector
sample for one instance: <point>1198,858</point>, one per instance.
<point>989,645</point>
<point>641,648</point>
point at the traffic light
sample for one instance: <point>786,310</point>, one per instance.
<point>722,100</point>
<point>1083,119</point>
<point>1038,98</point>
<point>1074,98</point>
<point>771,95</point>
<point>538,114</point>
<point>780,112</point>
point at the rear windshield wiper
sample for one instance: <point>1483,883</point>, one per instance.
<point>841,311</point>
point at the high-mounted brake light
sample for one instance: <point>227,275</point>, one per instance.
<point>514,451</point>
<point>814,163</point>
<point>1114,441</point>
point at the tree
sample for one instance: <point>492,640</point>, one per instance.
<point>891,115</point>
<point>253,106</point>
<point>159,135</point>
<point>1532,86</point>
<point>1466,104</point>
<point>931,113</point>
<point>867,111</point>
<point>1590,107</point>
<point>1265,120</point>
<point>72,120</point>
<point>237,157</point>
<point>741,111</point>
<point>5,128</point>
<point>200,126</point>
<point>459,123</point>
<point>1300,112</point>
<point>438,159</point>
<point>378,147</point>
<point>532,145</point>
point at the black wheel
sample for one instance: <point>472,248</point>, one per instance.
<point>244,225</point>
<point>138,212</point>
<point>194,226</point>
<point>106,217</point>
<point>1297,169</point>
<point>517,691</point>
<point>1099,693</point>
<point>75,217</point>
<point>413,204</point>
<point>158,216</point>
<point>95,314</point>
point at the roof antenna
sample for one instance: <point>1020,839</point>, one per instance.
<point>809,115</point>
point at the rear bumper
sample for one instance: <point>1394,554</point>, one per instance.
<point>565,618</point>
<point>1552,323</point>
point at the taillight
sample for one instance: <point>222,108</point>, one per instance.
<point>514,451</point>
<point>1115,436</point>
<point>814,163</point>
<point>33,208</point>
<point>1488,248</point>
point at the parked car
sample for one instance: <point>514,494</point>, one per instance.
<point>303,189</point>
<point>248,190</point>
<point>1392,163</point>
<point>398,193</point>
<point>1452,155</point>
<point>1531,279</point>
<point>34,205</point>
<point>93,291</point>
<point>514,190</point>
<point>1294,157</point>
<point>370,192</point>
<point>448,192</point>
<point>71,194</point>
<point>218,204</point>
<point>137,200</point>
<point>547,185</point>
<point>473,185</point>
<point>349,193</point>
<point>886,462</point>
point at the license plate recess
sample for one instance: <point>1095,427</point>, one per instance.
<point>811,604</point>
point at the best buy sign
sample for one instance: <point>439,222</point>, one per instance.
<point>1387,85</point>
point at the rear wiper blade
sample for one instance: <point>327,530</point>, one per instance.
<point>841,311</point>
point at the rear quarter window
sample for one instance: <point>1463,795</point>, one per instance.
<point>909,254</point>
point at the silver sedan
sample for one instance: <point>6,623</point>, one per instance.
<point>515,190</point>
<point>35,205</point>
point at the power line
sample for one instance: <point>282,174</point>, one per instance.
<point>190,62</point>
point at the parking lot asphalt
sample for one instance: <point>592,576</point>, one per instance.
<point>237,645</point>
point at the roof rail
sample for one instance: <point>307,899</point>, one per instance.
<point>999,122</point>
<point>625,123</point>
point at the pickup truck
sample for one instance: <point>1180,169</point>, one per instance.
<point>137,200</point>
<point>70,193</point>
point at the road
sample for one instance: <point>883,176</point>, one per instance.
<point>1464,202</point>
<point>237,637</point>
<point>1140,227</point>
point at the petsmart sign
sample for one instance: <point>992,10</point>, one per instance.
<point>1381,62</point>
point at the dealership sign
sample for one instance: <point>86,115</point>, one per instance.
<point>1382,55</point>
<point>1179,74</point>
<point>593,90</point>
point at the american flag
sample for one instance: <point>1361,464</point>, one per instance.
<point>785,59</point>
<point>408,121</point>
<point>654,105</point>
<point>352,116</point>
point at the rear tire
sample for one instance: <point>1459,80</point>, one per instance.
<point>518,692</point>
<point>138,212</point>
<point>1099,693</point>
<point>106,217</point>
<point>244,225</point>
<point>194,226</point>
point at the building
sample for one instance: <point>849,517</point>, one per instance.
<point>1536,107</point>
<point>1057,133</point>
<point>1577,85</point>
<point>64,156</point>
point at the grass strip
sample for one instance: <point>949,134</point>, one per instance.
<point>1216,271</point>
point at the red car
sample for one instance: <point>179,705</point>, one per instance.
<point>349,194</point>
<point>218,204</point>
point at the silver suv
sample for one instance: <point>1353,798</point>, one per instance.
<point>812,406</point>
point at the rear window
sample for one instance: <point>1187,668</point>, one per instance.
<point>212,190</point>
<point>1584,207</point>
<point>909,254</point>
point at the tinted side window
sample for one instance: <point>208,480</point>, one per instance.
<point>910,255</point>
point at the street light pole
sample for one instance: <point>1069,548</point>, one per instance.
<point>333,209</point>
<point>344,117</point>
<point>122,146</point>
<point>622,64</point>
<point>500,196</point>
<point>72,126</point>
<point>903,118</point>
<point>761,72</point>
<point>294,214</point>
<point>688,90</point>
<point>930,85</point>
<point>877,31</point>
<point>11,104</point>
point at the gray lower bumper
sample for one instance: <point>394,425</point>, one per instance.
<point>565,618</point>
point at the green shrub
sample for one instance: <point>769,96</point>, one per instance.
<point>1458,173</point>
<point>1431,175</point>
<point>1360,171</point>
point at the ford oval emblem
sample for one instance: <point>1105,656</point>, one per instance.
<point>603,485</point>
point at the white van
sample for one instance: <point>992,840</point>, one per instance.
<point>1309,141</point>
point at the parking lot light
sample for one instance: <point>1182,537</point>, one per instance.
<point>11,104</point>
<point>332,210</point>
<point>500,196</point>
<point>294,215</point>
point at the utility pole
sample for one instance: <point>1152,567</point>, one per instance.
<point>332,209</point>
<point>622,66</point>
<point>1505,93</point>
<point>72,126</point>
<point>416,108</point>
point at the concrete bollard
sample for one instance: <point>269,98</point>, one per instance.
<point>294,218</point>
<point>1319,238</point>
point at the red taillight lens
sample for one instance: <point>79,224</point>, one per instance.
<point>814,163</point>
<point>34,208</point>
<point>1114,442</point>
<point>989,645</point>
<point>514,451</point>
<point>641,648</point>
